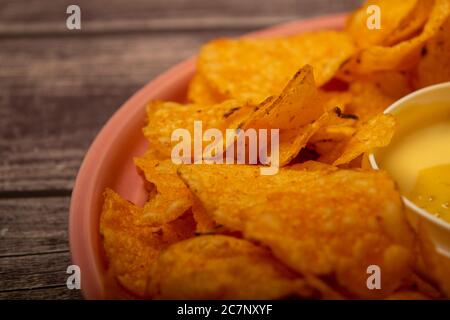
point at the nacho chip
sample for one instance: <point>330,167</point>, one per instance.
<point>316,222</point>
<point>296,106</point>
<point>375,133</point>
<point>165,117</point>
<point>171,200</point>
<point>392,15</point>
<point>392,84</point>
<point>403,55</point>
<point>222,267</point>
<point>411,24</point>
<point>200,92</point>
<point>298,112</point>
<point>437,266</point>
<point>130,247</point>
<point>434,67</point>
<point>368,100</point>
<point>254,69</point>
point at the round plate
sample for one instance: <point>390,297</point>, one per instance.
<point>109,161</point>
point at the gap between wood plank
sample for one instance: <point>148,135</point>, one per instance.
<point>34,194</point>
<point>15,255</point>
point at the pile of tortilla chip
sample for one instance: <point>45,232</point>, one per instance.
<point>324,224</point>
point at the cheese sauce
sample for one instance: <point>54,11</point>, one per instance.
<point>419,157</point>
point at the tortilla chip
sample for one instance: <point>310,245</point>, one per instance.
<point>298,112</point>
<point>392,84</point>
<point>204,221</point>
<point>130,247</point>
<point>411,24</point>
<point>171,200</point>
<point>296,105</point>
<point>437,266</point>
<point>254,69</point>
<point>392,15</point>
<point>316,222</point>
<point>403,55</point>
<point>165,117</point>
<point>375,133</point>
<point>222,267</point>
<point>434,66</point>
<point>200,92</point>
<point>368,100</point>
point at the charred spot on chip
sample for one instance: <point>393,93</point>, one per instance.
<point>342,115</point>
<point>424,51</point>
<point>230,112</point>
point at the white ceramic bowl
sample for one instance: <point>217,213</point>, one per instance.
<point>437,229</point>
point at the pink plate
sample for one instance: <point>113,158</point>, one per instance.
<point>109,162</point>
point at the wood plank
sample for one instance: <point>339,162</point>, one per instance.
<point>33,226</point>
<point>34,250</point>
<point>36,277</point>
<point>48,16</point>
<point>43,293</point>
<point>56,93</point>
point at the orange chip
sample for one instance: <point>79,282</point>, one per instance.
<point>375,133</point>
<point>171,200</point>
<point>298,112</point>
<point>130,247</point>
<point>434,66</point>
<point>368,100</point>
<point>320,222</point>
<point>403,55</point>
<point>165,117</point>
<point>200,92</point>
<point>222,267</point>
<point>254,69</point>
<point>412,23</point>
<point>392,15</point>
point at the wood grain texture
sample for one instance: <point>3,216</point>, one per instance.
<point>19,17</point>
<point>58,87</point>
<point>34,251</point>
<point>56,93</point>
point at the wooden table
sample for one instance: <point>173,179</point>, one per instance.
<point>57,89</point>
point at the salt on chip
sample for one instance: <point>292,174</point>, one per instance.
<point>392,14</point>
<point>375,133</point>
<point>333,223</point>
<point>222,267</point>
<point>171,199</point>
<point>434,66</point>
<point>403,55</point>
<point>254,69</point>
<point>130,247</point>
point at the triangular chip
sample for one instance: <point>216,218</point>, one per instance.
<point>324,222</point>
<point>222,267</point>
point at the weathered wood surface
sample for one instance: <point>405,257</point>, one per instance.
<point>58,87</point>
